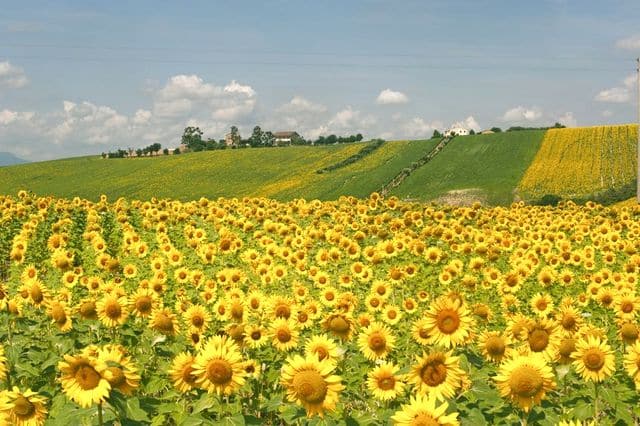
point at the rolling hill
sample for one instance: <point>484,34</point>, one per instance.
<point>480,167</point>
<point>582,162</point>
<point>8,159</point>
<point>495,169</point>
<point>280,173</point>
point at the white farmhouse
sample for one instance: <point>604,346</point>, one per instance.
<point>456,131</point>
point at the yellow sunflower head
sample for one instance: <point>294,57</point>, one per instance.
<point>310,383</point>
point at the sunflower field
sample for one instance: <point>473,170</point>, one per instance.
<point>581,161</point>
<point>353,312</point>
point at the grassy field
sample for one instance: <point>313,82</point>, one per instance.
<point>495,169</point>
<point>284,173</point>
<point>580,162</point>
<point>484,167</point>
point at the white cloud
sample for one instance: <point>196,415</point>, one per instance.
<point>11,76</point>
<point>568,120</point>
<point>388,96</point>
<point>607,113</point>
<point>141,117</point>
<point>186,86</point>
<point>614,95</point>
<point>298,104</point>
<point>235,87</point>
<point>345,122</point>
<point>522,114</point>
<point>234,110</point>
<point>173,108</point>
<point>618,94</point>
<point>7,116</point>
<point>418,128</point>
<point>629,43</point>
<point>87,123</point>
<point>469,123</point>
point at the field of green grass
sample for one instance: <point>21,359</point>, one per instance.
<point>484,167</point>
<point>283,173</point>
<point>487,168</point>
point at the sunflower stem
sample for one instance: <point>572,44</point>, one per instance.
<point>9,342</point>
<point>100,420</point>
<point>595,401</point>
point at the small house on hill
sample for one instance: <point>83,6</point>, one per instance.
<point>284,138</point>
<point>456,131</point>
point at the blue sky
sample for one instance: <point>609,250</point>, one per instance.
<point>85,77</point>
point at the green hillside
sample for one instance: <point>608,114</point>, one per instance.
<point>488,168</point>
<point>484,167</point>
<point>282,173</point>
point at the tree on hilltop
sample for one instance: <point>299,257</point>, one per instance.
<point>192,138</point>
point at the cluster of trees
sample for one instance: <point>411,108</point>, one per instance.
<point>519,128</point>
<point>333,139</point>
<point>153,149</point>
<point>192,139</point>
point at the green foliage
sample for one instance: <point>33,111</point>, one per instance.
<point>490,166</point>
<point>192,138</point>
<point>366,150</point>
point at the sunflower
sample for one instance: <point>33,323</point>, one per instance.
<point>566,348</point>
<point>381,289</point>
<point>340,325</point>
<point>197,318</point>
<point>181,372</point>
<point>376,341</point>
<point>593,359</point>
<point>494,345</point>
<point>322,347</point>
<point>219,366</point>
<point>438,373</point>
<point>423,410</point>
<point>626,305</point>
<point>310,383</point>
<point>525,379</point>
<point>120,372</point>
<point>421,332</point>
<point>60,315</point>
<point>391,314</point>
<point>374,302</point>
<point>284,334</point>
<point>252,369</point>
<point>449,322</point>
<point>384,383</point>
<point>631,363</point>
<point>25,408</point>
<point>112,310</point>
<point>543,337</point>
<point>628,332</point>
<point>87,309</point>
<point>542,304</point>
<point>255,336</point>
<point>282,307</point>
<point>143,302</point>
<point>570,320</point>
<point>3,364</point>
<point>82,379</point>
<point>164,321</point>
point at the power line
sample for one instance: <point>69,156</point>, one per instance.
<point>440,66</point>
<point>240,51</point>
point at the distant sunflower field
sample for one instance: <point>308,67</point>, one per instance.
<point>354,312</point>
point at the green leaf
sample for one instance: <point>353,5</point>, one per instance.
<point>128,408</point>
<point>582,410</point>
<point>623,413</point>
<point>236,420</point>
<point>205,402</point>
